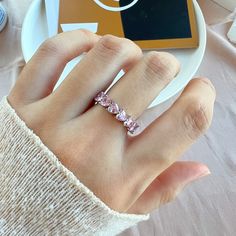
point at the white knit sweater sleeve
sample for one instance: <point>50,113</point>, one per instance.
<point>39,196</point>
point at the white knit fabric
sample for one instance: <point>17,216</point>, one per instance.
<point>39,196</point>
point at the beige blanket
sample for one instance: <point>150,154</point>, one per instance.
<point>208,207</point>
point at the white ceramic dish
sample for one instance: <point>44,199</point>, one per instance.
<point>35,31</point>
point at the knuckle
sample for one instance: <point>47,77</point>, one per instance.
<point>51,46</point>
<point>111,45</point>
<point>118,47</point>
<point>197,119</point>
<point>86,36</point>
<point>208,83</point>
<point>85,33</point>
<point>131,47</point>
<point>161,66</point>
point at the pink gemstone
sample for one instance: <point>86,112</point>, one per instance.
<point>106,101</point>
<point>129,122</point>
<point>99,97</point>
<point>133,128</point>
<point>113,108</point>
<point>121,116</point>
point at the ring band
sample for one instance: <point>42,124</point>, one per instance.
<point>113,108</point>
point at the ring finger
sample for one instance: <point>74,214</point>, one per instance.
<point>139,87</point>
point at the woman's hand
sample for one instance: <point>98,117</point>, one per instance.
<point>130,174</point>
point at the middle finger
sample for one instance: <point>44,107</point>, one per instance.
<point>94,73</point>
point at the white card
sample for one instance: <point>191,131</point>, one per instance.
<point>232,32</point>
<point>52,12</point>
<point>93,27</point>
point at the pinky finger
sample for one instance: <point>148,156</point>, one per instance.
<point>168,185</point>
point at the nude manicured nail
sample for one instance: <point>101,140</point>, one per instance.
<point>203,174</point>
<point>199,175</point>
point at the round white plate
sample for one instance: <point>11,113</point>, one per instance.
<point>35,31</point>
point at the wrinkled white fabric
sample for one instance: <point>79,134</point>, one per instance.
<point>208,206</point>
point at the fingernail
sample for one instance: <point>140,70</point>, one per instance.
<point>200,175</point>
<point>203,174</point>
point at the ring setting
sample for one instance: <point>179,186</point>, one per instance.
<point>112,107</point>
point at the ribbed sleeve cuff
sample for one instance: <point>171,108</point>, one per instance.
<point>39,196</point>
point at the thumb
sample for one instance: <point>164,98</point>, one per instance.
<point>168,184</point>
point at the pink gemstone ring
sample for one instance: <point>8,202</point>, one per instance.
<point>113,108</point>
